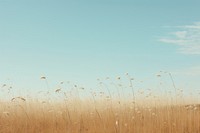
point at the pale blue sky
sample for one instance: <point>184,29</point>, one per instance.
<point>81,41</point>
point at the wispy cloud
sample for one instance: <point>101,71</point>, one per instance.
<point>186,37</point>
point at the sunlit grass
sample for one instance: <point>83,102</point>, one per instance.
<point>62,111</point>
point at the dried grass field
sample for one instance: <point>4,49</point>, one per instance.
<point>101,112</point>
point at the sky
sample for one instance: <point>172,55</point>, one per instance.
<point>80,41</point>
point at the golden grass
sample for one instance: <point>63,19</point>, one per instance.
<point>103,116</point>
<point>101,111</point>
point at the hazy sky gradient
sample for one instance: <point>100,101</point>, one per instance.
<point>81,41</point>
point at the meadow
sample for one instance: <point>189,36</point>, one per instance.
<point>100,111</point>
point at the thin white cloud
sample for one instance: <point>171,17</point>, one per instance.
<point>186,37</point>
<point>180,34</point>
<point>172,41</point>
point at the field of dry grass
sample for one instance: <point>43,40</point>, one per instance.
<point>100,117</point>
<point>99,113</point>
